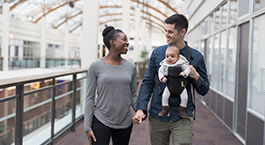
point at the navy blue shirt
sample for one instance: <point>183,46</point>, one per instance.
<point>149,88</point>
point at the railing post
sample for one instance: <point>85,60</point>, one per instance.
<point>53,110</point>
<point>19,114</point>
<point>73,102</point>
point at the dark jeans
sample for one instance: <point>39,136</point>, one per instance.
<point>103,134</point>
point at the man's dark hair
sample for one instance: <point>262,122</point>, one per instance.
<point>179,20</point>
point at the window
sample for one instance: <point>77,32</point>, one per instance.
<point>257,70</point>
<point>210,57</point>
<point>224,15</point>
<point>202,47</point>
<point>231,64</point>
<point>211,24</point>
<point>0,46</point>
<point>215,72</point>
<point>223,65</point>
<point>233,11</point>
<point>243,7</point>
<point>259,4</point>
<point>217,20</point>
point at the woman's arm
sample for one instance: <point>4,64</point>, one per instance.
<point>134,88</point>
<point>90,97</point>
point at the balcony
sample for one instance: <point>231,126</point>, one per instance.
<point>35,109</point>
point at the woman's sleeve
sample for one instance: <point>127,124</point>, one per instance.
<point>90,97</point>
<point>134,88</point>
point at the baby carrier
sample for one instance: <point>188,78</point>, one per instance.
<point>173,75</point>
<point>176,84</point>
<point>174,78</point>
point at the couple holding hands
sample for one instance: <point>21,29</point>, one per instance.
<point>115,80</point>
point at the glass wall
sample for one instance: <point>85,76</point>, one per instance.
<point>222,50</point>
<point>233,11</point>
<point>221,46</point>
<point>257,78</point>
<point>223,60</point>
<point>215,74</point>
<point>258,4</point>
<point>23,54</point>
<point>231,62</point>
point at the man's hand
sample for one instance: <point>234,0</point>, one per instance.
<point>194,74</point>
<point>90,136</point>
<point>138,117</point>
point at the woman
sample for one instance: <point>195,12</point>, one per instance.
<point>115,80</point>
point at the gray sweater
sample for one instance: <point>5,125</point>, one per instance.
<point>116,93</point>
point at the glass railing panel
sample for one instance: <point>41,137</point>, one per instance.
<point>81,91</point>
<point>37,117</point>
<point>63,106</point>
<point>7,122</point>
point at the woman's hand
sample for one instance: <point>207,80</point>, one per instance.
<point>90,136</point>
<point>138,117</point>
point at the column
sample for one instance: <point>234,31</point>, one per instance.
<point>126,16</point>
<point>5,36</point>
<point>137,49</point>
<point>66,45</point>
<point>126,20</point>
<point>43,43</point>
<point>89,46</point>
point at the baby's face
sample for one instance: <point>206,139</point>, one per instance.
<point>172,56</point>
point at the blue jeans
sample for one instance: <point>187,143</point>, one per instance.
<point>103,134</point>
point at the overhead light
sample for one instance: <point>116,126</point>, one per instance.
<point>71,4</point>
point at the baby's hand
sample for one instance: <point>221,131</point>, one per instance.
<point>164,79</point>
<point>182,74</point>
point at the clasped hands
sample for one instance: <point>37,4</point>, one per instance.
<point>138,117</point>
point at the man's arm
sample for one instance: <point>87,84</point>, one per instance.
<point>145,92</point>
<point>147,85</point>
<point>201,82</point>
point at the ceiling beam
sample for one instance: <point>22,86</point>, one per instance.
<point>156,27</point>
<point>51,10</point>
<point>102,7</point>
<point>12,7</point>
<point>147,5</point>
<point>167,5</point>
<point>75,28</point>
<point>153,22</point>
<point>68,19</point>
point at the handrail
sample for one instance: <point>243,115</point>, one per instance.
<point>19,84</point>
<point>4,83</point>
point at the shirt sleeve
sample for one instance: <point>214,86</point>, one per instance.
<point>134,88</point>
<point>147,85</point>
<point>90,97</point>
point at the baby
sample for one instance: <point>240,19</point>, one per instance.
<point>173,59</point>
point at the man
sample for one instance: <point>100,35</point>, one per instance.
<point>161,127</point>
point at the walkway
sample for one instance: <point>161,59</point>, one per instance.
<point>208,130</point>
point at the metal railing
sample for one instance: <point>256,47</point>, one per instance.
<point>19,84</point>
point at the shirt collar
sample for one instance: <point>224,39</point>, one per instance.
<point>184,50</point>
